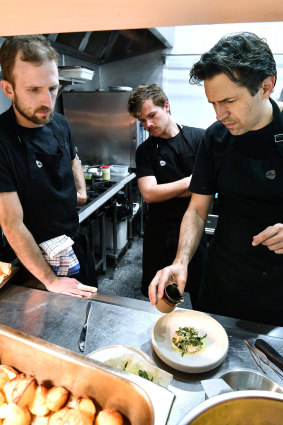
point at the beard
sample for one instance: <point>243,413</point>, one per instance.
<point>31,115</point>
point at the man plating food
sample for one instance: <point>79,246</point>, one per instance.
<point>241,158</point>
<point>41,181</point>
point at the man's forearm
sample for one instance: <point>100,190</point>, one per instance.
<point>28,252</point>
<point>191,232</point>
<point>79,181</point>
<point>153,192</point>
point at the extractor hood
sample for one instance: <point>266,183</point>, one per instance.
<point>107,46</point>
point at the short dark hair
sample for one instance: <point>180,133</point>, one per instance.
<point>244,57</point>
<point>35,48</point>
<point>145,92</point>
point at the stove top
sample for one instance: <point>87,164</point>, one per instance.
<point>97,188</point>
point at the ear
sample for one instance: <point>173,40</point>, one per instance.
<point>7,89</point>
<point>167,106</point>
<point>268,86</point>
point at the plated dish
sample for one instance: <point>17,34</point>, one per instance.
<point>216,341</point>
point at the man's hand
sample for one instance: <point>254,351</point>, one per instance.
<point>81,197</point>
<point>271,237</point>
<point>171,274</point>
<point>68,286</point>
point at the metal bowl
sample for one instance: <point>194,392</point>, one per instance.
<point>238,408</point>
<point>246,379</point>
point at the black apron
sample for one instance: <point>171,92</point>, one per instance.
<point>50,174</point>
<point>160,248</point>
<point>241,280</point>
<point>163,226</point>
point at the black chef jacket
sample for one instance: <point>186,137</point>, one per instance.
<point>247,172</point>
<point>168,160</point>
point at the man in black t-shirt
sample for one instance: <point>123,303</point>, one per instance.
<point>41,181</point>
<point>164,164</point>
<point>240,158</point>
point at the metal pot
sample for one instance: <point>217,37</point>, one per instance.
<point>247,379</point>
<point>95,170</point>
<point>238,408</point>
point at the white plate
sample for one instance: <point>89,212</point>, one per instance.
<point>105,353</point>
<point>217,341</point>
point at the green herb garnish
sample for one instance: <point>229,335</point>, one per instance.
<point>144,374</point>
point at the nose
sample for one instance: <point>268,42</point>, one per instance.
<point>46,99</point>
<point>147,123</point>
<point>221,111</point>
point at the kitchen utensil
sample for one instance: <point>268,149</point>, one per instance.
<point>260,358</point>
<point>270,352</point>
<point>246,379</point>
<point>216,341</point>
<point>237,408</point>
<point>84,329</point>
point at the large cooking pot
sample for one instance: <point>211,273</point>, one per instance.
<point>238,408</point>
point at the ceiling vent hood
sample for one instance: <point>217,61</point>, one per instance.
<point>107,46</point>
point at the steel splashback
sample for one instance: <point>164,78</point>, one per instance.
<point>104,131</point>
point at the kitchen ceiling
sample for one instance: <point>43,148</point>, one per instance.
<point>107,46</point>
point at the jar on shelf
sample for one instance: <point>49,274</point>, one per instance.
<point>105,172</point>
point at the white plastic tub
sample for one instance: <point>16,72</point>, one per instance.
<point>119,170</point>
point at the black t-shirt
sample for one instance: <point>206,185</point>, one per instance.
<point>258,145</point>
<point>169,160</point>
<point>53,212</point>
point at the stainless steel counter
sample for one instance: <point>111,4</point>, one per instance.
<point>118,320</point>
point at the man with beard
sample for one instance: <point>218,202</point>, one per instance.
<point>241,158</point>
<point>41,181</point>
<point>164,168</point>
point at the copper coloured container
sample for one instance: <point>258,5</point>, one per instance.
<point>54,365</point>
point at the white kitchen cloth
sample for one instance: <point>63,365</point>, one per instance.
<point>59,254</point>
<point>54,246</point>
<point>215,386</point>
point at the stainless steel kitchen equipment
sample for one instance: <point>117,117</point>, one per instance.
<point>84,329</point>
<point>248,379</point>
<point>104,131</point>
<point>238,408</point>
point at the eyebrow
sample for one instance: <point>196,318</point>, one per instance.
<point>223,100</point>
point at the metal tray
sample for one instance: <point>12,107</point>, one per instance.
<point>135,397</point>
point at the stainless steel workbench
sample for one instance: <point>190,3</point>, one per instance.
<point>117,320</point>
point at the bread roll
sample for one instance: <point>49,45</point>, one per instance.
<point>20,390</point>
<point>17,415</point>
<point>109,417</point>
<point>38,406</point>
<point>6,374</point>
<point>69,416</point>
<point>56,398</point>
<point>86,406</point>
